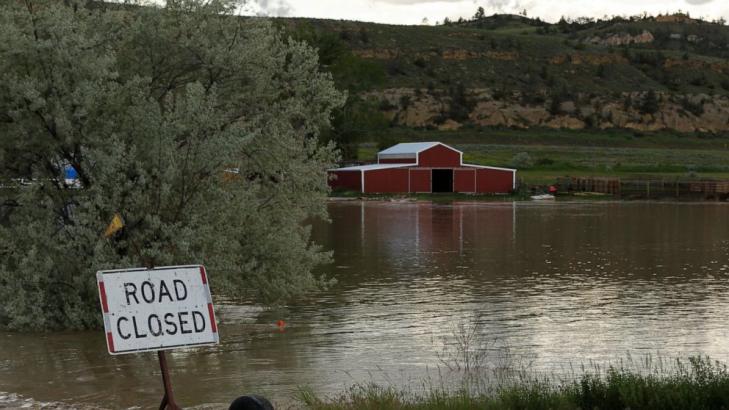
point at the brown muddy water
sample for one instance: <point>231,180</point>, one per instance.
<point>558,284</point>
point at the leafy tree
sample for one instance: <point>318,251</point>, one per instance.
<point>480,14</point>
<point>357,117</point>
<point>558,97</point>
<point>555,105</point>
<point>694,107</point>
<point>461,105</point>
<point>649,103</point>
<point>329,46</point>
<point>353,123</point>
<point>151,105</point>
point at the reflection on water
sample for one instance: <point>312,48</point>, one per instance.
<point>557,283</point>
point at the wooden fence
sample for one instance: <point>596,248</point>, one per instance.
<point>648,188</point>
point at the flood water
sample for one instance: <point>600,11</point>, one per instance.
<point>558,284</point>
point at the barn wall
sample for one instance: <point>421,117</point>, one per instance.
<point>464,180</point>
<point>492,181</point>
<point>439,157</point>
<point>420,180</point>
<point>391,180</point>
<point>351,180</point>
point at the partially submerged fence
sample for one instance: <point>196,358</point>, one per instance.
<point>647,188</point>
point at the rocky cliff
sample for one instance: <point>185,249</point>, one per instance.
<point>423,108</point>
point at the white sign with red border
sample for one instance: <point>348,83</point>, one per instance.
<point>156,309</point>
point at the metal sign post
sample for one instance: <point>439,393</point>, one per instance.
<point>155,310</point>
<point>168,401</point>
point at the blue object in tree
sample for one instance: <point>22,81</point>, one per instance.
<point>70,172</point>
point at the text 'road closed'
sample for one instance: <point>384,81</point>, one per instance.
<point>156,309</point>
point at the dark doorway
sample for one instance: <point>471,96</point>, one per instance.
<point>442,180</point>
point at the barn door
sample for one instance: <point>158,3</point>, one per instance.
<point>442,180</point>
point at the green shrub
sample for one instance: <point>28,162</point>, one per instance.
<point>697,383</point>
<point>649,103</point>
<point>694,107</point>
<point>544,162</point>
<point>522,160</point>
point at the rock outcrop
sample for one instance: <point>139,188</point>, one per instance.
<point>432,109</point>
<point>588,59</point>
<point>620,39</point>
<point>449,54</point>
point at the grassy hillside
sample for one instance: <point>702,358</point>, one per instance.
<point>653,90</point>
<point>526,55</point>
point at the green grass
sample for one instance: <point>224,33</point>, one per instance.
<point>614,138</point>
<point>434,197</point>
<point>696,383</point>
<point>558,153</point>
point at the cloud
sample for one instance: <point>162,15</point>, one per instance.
<point>413,11</point>
<point>508,6</point>
<point>497,5</point>
<point>273,8</point>
<point>411,2</point>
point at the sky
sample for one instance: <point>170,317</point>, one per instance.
<point>414,11</point>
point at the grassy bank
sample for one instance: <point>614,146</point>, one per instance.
<point>696,383</point>
<point>541,156</point>
<point>438,197</point>
<point>523,195</point>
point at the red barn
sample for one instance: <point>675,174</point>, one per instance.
<point>423,167</point>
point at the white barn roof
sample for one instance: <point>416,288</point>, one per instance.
<point>371,167</point>
<point>408,148</point>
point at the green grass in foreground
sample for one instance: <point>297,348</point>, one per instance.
<point>697,383</point>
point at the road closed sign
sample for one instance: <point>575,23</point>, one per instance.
<point>156,309</point>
